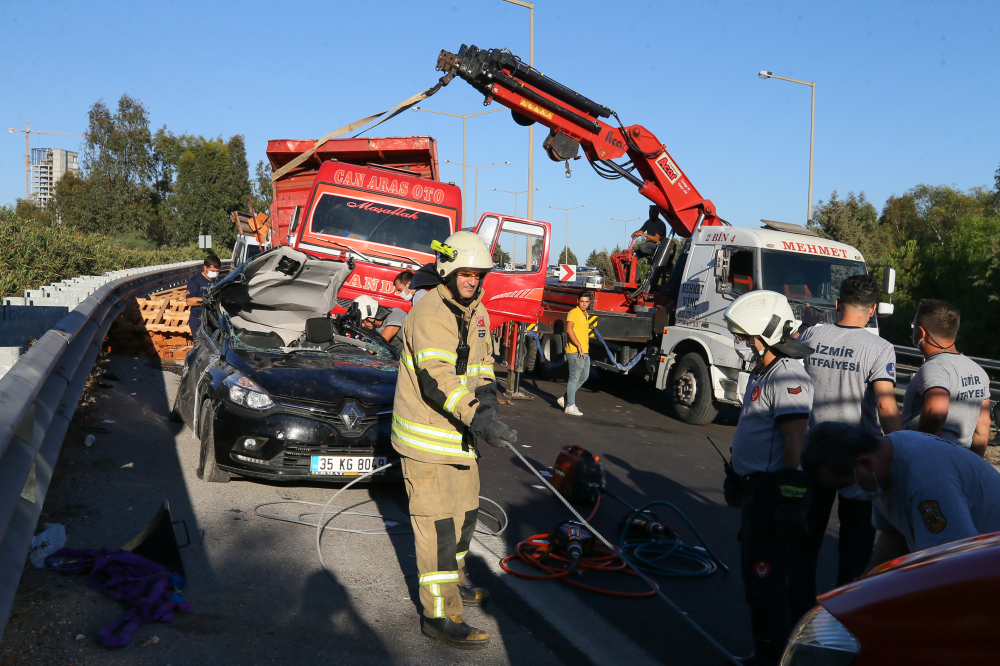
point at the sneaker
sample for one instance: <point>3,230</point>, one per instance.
<point>573,411</point>
<point>561,402</point>
<point>452,631</point>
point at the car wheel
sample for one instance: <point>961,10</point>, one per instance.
<point>691,391</point>
<point>208,470</point>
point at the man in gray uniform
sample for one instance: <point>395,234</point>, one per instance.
<point>949,395</point>
<point>766,448</point>
<point>854,377</point>
<point>925,491</point>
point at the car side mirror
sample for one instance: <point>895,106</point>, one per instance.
<point>888,281</point>
<point>885,309</point>
<point>722,285</point>
<point>294,224</point>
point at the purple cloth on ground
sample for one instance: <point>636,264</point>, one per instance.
<point>140,583</point>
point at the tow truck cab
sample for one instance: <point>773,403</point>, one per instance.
<point>379,201</point>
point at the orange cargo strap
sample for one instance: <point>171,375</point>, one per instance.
<point>393,111</point>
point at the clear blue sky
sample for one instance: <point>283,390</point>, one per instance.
<point>906,91</point>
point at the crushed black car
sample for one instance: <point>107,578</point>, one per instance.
<point>277,388</point>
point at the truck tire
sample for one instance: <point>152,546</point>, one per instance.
<point>208,470</point>
<point>691,391</point>
<point>531,354</point>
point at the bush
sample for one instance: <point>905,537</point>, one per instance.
<point>33,254</point>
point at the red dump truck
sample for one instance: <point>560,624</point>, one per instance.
<point>381,202</point>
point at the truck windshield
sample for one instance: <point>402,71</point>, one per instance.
<point>388,224</point>
<point>806,278</point>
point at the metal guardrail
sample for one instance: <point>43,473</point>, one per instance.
<point>38,396</point>
<point>906,369</point>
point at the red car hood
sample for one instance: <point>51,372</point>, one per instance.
<point>935,606</point>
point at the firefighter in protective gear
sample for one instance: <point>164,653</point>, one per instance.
<point>446,398</point>
<point>766,449</point>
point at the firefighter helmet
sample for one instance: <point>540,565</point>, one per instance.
<point>768,316</point>
<point>463,249</point>
<point>367,305</point>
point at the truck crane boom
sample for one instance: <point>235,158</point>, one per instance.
<point>574,121</point>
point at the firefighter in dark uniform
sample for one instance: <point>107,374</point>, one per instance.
<point>766,448</point>
<point>197,284</point>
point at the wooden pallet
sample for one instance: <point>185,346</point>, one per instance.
<point>154,326</point>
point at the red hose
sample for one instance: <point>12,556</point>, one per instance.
<point>535,549</point>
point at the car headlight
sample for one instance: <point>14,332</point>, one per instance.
<point>820,639</point>
<point>245,392</point>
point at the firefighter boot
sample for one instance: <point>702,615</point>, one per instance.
<point>456,633</point>
<point>473,596</point>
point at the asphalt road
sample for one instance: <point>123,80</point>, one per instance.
<point>259,594</point>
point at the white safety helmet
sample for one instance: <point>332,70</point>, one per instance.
<point>463,249</point>
<point>367,305</point>
<point>766,315</point>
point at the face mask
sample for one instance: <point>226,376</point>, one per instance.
<point>745,352</point>
<point>406,296</point>
<point>212,274</point>
<point>872,494</point>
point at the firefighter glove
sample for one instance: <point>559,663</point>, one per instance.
<point>790,514</point>
<point>486,425</point>
<point>487,395</point>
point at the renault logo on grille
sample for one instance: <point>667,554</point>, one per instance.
<point>351,416</point>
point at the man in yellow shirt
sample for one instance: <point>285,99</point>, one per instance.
<point>577,352</point>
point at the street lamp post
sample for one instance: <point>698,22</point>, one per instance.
<point>515,196</point>
<point>465,118</point>
<point>530,6</point>
<point>567,210</point>
<point>625,224</point>
<point>475,216</point>
<point>812,130</point>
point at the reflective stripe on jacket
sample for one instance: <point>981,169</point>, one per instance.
<point>433,404</point>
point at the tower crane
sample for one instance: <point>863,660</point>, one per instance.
<point>27,152</point>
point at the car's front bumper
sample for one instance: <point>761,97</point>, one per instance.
<point>287,436</point>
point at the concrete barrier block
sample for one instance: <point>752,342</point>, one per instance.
<point>19,323</point>
<point>8,357</point>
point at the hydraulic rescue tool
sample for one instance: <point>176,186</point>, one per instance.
<point>646,543</point>
<point>578,474</point>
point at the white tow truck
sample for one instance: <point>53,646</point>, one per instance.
<point>686,345</point>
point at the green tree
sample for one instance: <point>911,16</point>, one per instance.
<point>29,210</point>
<point>853,221</point>
<point>563,259</point>
<point>500,258</point>
<point>208,179</point>
<point>602,262</point>
<point>121,171</point>
<point>263,193</point>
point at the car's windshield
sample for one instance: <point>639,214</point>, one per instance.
<point>388,224</point>
<point>806,278</point>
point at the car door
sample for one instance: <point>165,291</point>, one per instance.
<point>520,249</point>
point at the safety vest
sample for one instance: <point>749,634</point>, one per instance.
<point>434,403</point>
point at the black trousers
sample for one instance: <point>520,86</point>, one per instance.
<point>857,538</point>
<point>766,561</point>
<point>647,249</point>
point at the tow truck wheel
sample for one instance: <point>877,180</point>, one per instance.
<point>691,391</point>
<point>530,354</point>
<point>208,470</point>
